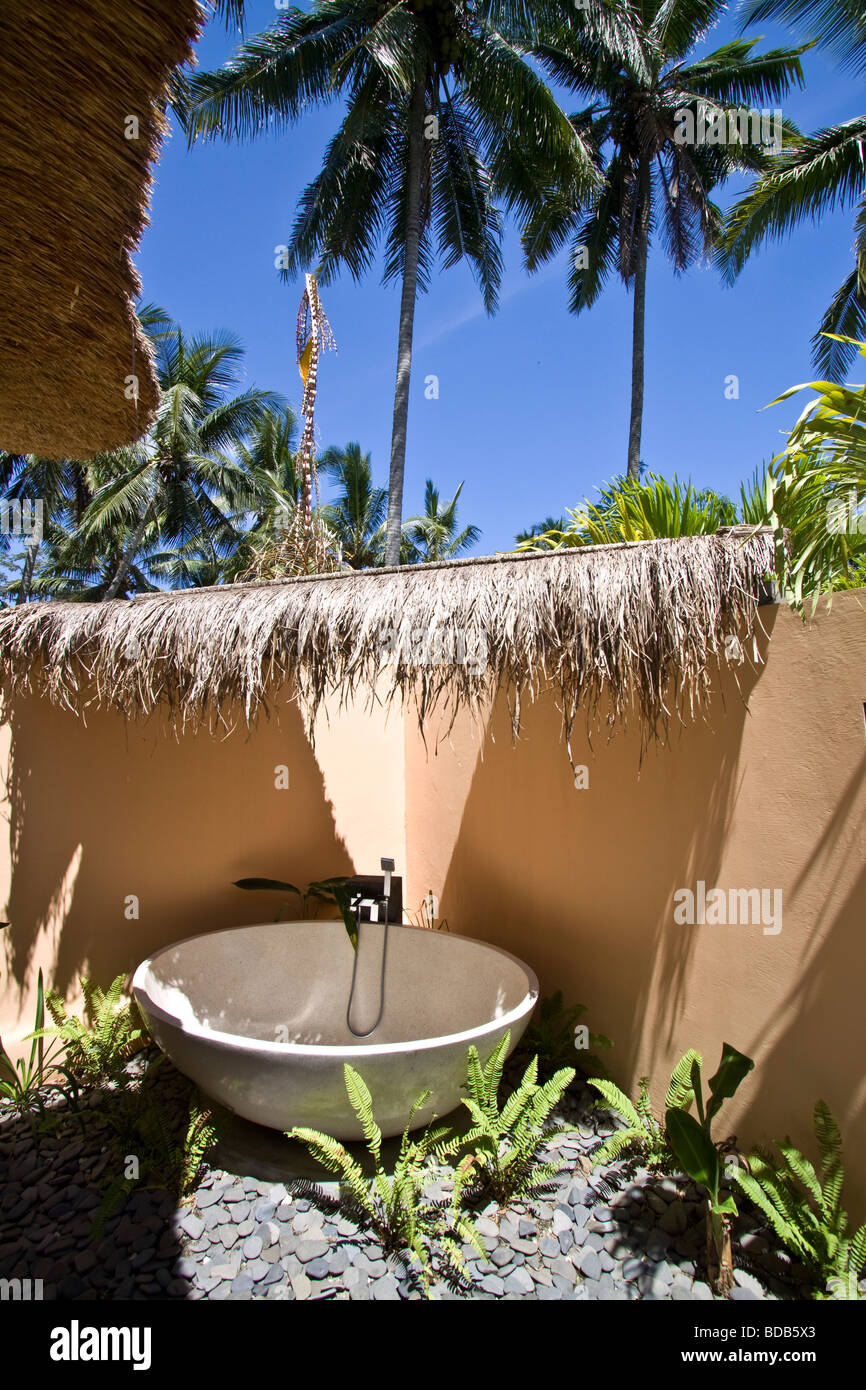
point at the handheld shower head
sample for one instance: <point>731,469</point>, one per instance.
<point>387,869</point>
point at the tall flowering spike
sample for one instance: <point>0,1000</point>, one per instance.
<point>313,335</point>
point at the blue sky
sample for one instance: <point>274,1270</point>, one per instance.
<point>533,403</point>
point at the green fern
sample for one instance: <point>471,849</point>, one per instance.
<point>169,1153</point>
<point>681,1091</point>
<point>97,1051</point>
<point>551,1037</point>
<point>643,1134</point>
<point>395,1206</point>
<point>805,1210</point>
<point>505,1143</point>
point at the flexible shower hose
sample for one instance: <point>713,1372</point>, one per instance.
<point>369,1031</point>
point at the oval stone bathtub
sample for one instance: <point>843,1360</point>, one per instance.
<point>257,1017</point>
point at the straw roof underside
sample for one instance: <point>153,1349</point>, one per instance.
<point>632,629</point>
<point>74,193</point>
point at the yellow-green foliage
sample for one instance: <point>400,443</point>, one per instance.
<point>643,1133</point>
<point>806,1211</point>
<point>395,1206</point>
<point>505,1141</point>
<point>97,1051</point>
<point>24,1083</point>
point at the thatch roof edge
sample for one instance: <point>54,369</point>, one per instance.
<point>634,627</point>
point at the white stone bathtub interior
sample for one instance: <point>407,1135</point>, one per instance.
<point>257,1017</point>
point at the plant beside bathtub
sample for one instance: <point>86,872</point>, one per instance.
<point>426,916</point>
<point>28,1083</point>
<point>396,1207</point>
<point>330,890</point>
<point>506,1140</point>
<point>703,1158</point>
<point>166,1126</point>
<point>97,1051</point>
<point>558,1039</point>
<point>642,1134</point>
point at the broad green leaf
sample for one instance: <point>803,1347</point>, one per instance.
<point>694,1150</point>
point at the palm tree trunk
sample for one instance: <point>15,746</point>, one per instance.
<point>637,352</point>
<point>27,574</point>
<point>407,325</point>
<point>126,559</point>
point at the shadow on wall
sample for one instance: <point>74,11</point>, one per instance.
<point>817,1031</point>
<point>124,838</point>
<point>581,881</point>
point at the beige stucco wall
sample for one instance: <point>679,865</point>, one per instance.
<point>767,794</point>
<point>581,882</point>
<point>101,812</point>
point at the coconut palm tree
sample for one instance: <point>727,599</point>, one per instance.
<point>839,25</point>
<point>444,116</point>
<point>265,496</point>
<point>631,64</point>
<point>172,488</point>
<point>357,515</point>
<point>816,175</point>
<point>434,534</point>
<point>63,489</point>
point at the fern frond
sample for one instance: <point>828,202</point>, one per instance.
<point>858,1250</point>
<point>494,1067</point>
<point>680,1093</point>
<point>417,1104</point>
<point>827,1134</point>
<point>786,1229</point>
<point>801,1168</point>
<point>616,1100</point>
<point>618,1144</point>
<point>475,1076</point>
<point>362,1103</point>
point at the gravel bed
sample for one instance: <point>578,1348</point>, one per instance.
<point>617,1233</point>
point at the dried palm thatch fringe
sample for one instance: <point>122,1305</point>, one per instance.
<point>633,630</point>
<point>75,180</point>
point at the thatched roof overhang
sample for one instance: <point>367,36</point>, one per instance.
<point>632,630</point>
<point>83,88</point>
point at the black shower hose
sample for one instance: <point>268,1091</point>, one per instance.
<point>353,1031</point>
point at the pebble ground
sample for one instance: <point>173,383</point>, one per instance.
<point>604,1234</point>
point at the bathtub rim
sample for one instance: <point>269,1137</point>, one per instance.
<point>333,1050</point>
